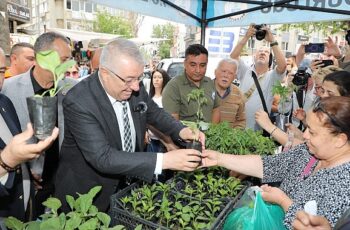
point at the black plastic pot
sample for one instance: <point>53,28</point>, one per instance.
<point>281,121</point>
<point>43,115</point>
<point>194,145</point>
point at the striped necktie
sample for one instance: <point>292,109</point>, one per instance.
<point>127,131</point>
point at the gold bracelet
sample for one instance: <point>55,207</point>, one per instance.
<point>273,130</point>
<point>6,166</point>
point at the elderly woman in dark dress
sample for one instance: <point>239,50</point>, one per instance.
<point>318,169</point>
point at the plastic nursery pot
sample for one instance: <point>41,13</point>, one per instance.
<point>43,115</point>
<point>281,121</point>
<point>194,145</point>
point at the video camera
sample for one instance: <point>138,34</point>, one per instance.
<point>301,76</point>
<point>260,32</point>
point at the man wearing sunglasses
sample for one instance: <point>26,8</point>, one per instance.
<point>105,121</point>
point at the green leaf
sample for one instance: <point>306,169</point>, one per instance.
<point>33,225</point>
<point>92,193</point>
<point>104,218</point>
<point>118,227</point>
<point>73,222</point>
<point>186,217</point>
<point>14,223</point>
<point>70,200</point>
<point>85,202</point>
<point>89,225</point>
<point>52,224</point>
<point>53,203</point>
<point>48,59</point>
<point>61,69</point>
<point>138,227</point>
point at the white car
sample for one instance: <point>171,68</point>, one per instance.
<point>174,66</point>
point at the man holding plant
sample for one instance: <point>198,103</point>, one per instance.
<point>106,117</point>
<point>35,82</point>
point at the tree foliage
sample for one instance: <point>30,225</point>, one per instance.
<point>107,23</point>
<point>326,28</point>
<point>164,31</point>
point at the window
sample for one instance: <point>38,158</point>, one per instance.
<point>75,5</point>
<point>33,12</point>
<point>82,5</point>
<point>284,45</point>
<point>88,7</point>
<point>69,4</point>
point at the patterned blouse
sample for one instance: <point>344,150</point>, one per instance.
<point>330,188</point>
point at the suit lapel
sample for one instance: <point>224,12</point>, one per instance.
<point>136,119</point>
<point>105,106</point>
<point>9,116</point>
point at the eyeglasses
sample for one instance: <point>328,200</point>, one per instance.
<point>73,73</point>
<point>126,82</point>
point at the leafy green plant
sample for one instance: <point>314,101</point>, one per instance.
<point>50,60</point>
<point>284,92</point>
<point>84,216</point>
<point>221,137</point>
<point>198,96</point>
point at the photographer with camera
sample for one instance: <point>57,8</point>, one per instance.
<point>266,77</point>
<point>333,49</point>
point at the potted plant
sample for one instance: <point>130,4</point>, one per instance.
<point>84,215</point>
<point>43,108</point>
<point>198,96</point>
<point>284,92</point>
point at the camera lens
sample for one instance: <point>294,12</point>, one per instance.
<point>259,34</point>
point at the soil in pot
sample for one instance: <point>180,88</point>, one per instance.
<point>43,115</point>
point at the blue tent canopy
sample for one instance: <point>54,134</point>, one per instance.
<point>235,13</point>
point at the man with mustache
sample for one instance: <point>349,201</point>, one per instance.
<point>175,93</point>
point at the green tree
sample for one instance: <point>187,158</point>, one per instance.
<point>327,28</point>
<point>107,23</point>
<point>164,31</point>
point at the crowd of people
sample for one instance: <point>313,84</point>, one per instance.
<point>112,131</point>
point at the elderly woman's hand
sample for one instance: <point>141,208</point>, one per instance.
<point>210,158</point>
<point>304,221</point>
<point>276,196</point>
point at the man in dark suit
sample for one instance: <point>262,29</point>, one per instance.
<point>96,149</point>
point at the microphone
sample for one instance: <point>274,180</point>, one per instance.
<point>141,107</point>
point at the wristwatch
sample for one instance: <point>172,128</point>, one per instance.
<point>275,43</point>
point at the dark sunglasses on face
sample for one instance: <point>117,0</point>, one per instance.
<point>73,73</point>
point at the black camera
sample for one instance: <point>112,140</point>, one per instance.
<point>301,76</point>
<point>347,37</point>
<point>260,33</point>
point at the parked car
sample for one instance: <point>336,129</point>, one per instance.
<point>174,66</point>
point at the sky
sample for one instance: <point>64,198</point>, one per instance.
<point>146,28</point>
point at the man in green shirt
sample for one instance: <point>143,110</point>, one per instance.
<point>175,93</point>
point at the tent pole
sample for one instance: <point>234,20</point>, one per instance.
<point>204,22</point>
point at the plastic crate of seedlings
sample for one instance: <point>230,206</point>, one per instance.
<point>170,206</point>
